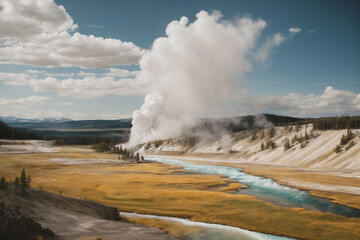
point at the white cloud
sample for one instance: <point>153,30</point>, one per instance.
<point>331,103</point>
<point>64,104</point>
<point>33,113</point>
<point>23,20</point>
<point>40,114</point>
<point>83,85</point>
<point>264,52</point>
<point>113,116</point>
<point>39,33</point>
<point>115,72</point>
<point>95,26</point>
<point>23,102</point>
<point>311,31</point>
<point>19,77</point>
<point>294,30</point>
<point>87,87</point>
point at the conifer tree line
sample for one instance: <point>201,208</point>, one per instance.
<point>7,132</point>
<point>124,153</point>
<point>129,155</point>
<point>93,141</point>
<point>21,182</point>
<point>336,123</point>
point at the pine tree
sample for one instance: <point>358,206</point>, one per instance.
<point>287,144</point>
<point>3,183</point>
<point>28,180</point>
<point>23,181</point>
<point>16,184</point>
<point>262,147</point>
<point>121,151</point>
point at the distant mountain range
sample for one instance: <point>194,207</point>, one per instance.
<point>64,123</point>
<point>25,120</point>
<point>64,128</point>
<point>234,123</point>
<point>54,128</point>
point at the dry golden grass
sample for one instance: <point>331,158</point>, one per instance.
<point>152,188</point>
<point>341,198</point>
<point>233,187</point>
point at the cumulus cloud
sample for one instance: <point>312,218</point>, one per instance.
<point>40,114</point>
<point>294,30</point>
<point>23,20</point>
<point>331,102</point>
<point>27,107</point>
<point>65,104</point>
<point>115,72</point>
<point>113,116</point>
<point>118,72</point>
<point>194,67</point>
<point>87,87</point>
<point>20,77</point>
<point>264,52</point>
<point>82,85</point>
<point>22,102</point>
<point>40,33</point>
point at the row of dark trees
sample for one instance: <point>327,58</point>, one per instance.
<point>324,123</point>
<point>128,155</point>
<point>7,132</point>
<point>124,153</point>
<point>106,147</point>
<point>336,123</point>
<point>22,181</point>
<point>87,141</point>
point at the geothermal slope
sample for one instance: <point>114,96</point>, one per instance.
<point>317,152</point>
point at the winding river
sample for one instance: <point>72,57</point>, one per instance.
<point>265,188</point>
<point>210,231</point>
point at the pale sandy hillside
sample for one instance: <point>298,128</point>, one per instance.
<point>318,151</point>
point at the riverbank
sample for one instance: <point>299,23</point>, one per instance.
<point>71,218</point>
<point>339,185</point>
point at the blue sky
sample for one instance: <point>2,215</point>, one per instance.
<point>49,66</point>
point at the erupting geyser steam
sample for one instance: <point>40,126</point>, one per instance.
<point>194,67</point>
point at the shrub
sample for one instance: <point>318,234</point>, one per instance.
<point>337,149</point>
<point>3,183</point>
<point>351,144</point>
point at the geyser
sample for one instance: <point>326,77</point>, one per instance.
<point>193,68</point>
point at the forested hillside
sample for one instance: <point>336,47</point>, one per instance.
<point>7,132</point>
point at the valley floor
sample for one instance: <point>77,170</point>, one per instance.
<point>160,189</point>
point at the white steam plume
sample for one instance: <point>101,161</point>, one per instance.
<point>194,67</point>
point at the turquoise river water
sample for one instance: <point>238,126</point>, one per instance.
<point>266,188</point>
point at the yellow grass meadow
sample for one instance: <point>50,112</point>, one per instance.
<point>153,188</point>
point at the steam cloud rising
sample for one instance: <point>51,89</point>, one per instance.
<point>194,67</point>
